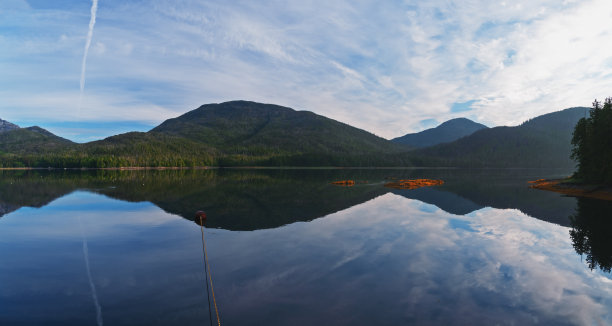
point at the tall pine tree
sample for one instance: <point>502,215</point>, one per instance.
<point>592,141</point>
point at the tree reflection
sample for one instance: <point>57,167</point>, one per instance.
<point>591,232</point>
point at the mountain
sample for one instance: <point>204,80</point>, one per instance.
<point>240,127</point>
<point>144,149</point>
<point>7,126</point>
<point>544,141</point>
<point>249,133</point>
<point>446,132</point>
<point>241,133</point>
<point>16,140</point>
<point>237,133</point>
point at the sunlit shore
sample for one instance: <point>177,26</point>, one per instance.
<point>565,187</point>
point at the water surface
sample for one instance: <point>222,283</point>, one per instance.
<point>287,248</point>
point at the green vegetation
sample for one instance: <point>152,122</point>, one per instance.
<point>262,132</point>
<point>241,133</point>
<point>31,140</point>
<point>235,133</point>
<point>591,232</point>
<point>133,149</point>
<point>592,141</point>
<point>541,142</point>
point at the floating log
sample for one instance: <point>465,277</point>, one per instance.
<point>346,183</point>
<point>414,183</point>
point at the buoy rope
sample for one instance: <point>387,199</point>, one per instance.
<point>207,271</point>
<point>206,274</point>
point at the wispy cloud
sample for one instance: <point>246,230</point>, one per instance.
<point>383,67</point>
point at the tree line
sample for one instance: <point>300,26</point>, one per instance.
<point>592,144</point>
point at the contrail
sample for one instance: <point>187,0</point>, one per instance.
<point>94,293</point>
<point>92,22</point>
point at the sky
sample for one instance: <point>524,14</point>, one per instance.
<point>389,67</point>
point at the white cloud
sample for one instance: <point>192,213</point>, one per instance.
<point>383,67</point>
<point>60,107</point>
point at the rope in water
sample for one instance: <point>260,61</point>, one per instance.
<point>206,274</point>
<point>207,271</point>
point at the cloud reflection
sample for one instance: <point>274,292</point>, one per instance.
<point>389,254</point>
<point>385,262</point>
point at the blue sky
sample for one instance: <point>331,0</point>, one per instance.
<point>389,67</point>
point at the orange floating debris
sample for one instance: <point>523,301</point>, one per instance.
<point>575,190</point>
<point>537,181</point>
<point>414,183</point>
<point>346,183</point>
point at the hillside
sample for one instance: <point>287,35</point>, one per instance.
<point>234,133</point>
<point>7,126</point>
<point>544,141</point>
<point>446,132</point>
<point>147,149</point>
<point>31,140</point>
<point>243,133</point>
<point>241,127</point>
<point>249,133</point>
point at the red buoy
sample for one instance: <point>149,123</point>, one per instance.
<point>200,217</point>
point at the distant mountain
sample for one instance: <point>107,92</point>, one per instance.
<point>241,133</point>
<point>242,127</point>
<point>7,126</point>
<point>544,141</point>
<point>30,140</point>
<point>446,132</point>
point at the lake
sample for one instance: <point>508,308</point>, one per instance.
<point>285,247</point>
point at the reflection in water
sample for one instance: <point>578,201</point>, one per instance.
<point>94,293</point>
<point>259,199</point>
<point>591,232</point>
<point>370,259</point>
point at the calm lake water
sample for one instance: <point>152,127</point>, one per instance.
<point>285,247</point>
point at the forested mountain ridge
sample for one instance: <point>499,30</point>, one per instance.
<point>255,128</point>
<point>544,141</point>
<point>16,140</point>
<point>233,133</point>
<point>241,133</point>
<point>446,132</point>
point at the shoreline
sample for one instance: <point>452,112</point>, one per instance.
<point>116,169</point>
<point>282,168</point>
<point>573,189</point>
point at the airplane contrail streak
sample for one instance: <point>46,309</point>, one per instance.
<point>92,22</point>
<point>94,293</point>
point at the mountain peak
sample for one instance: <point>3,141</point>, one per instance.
<point>457,121</point>
<point>448,131</point>
<point>543,141</point>
<point>7,126</point>
<point>243,126</point>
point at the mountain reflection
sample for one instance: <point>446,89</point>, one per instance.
<point>251,199</point>
<point>591,232</point>
<point>244,200</point>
